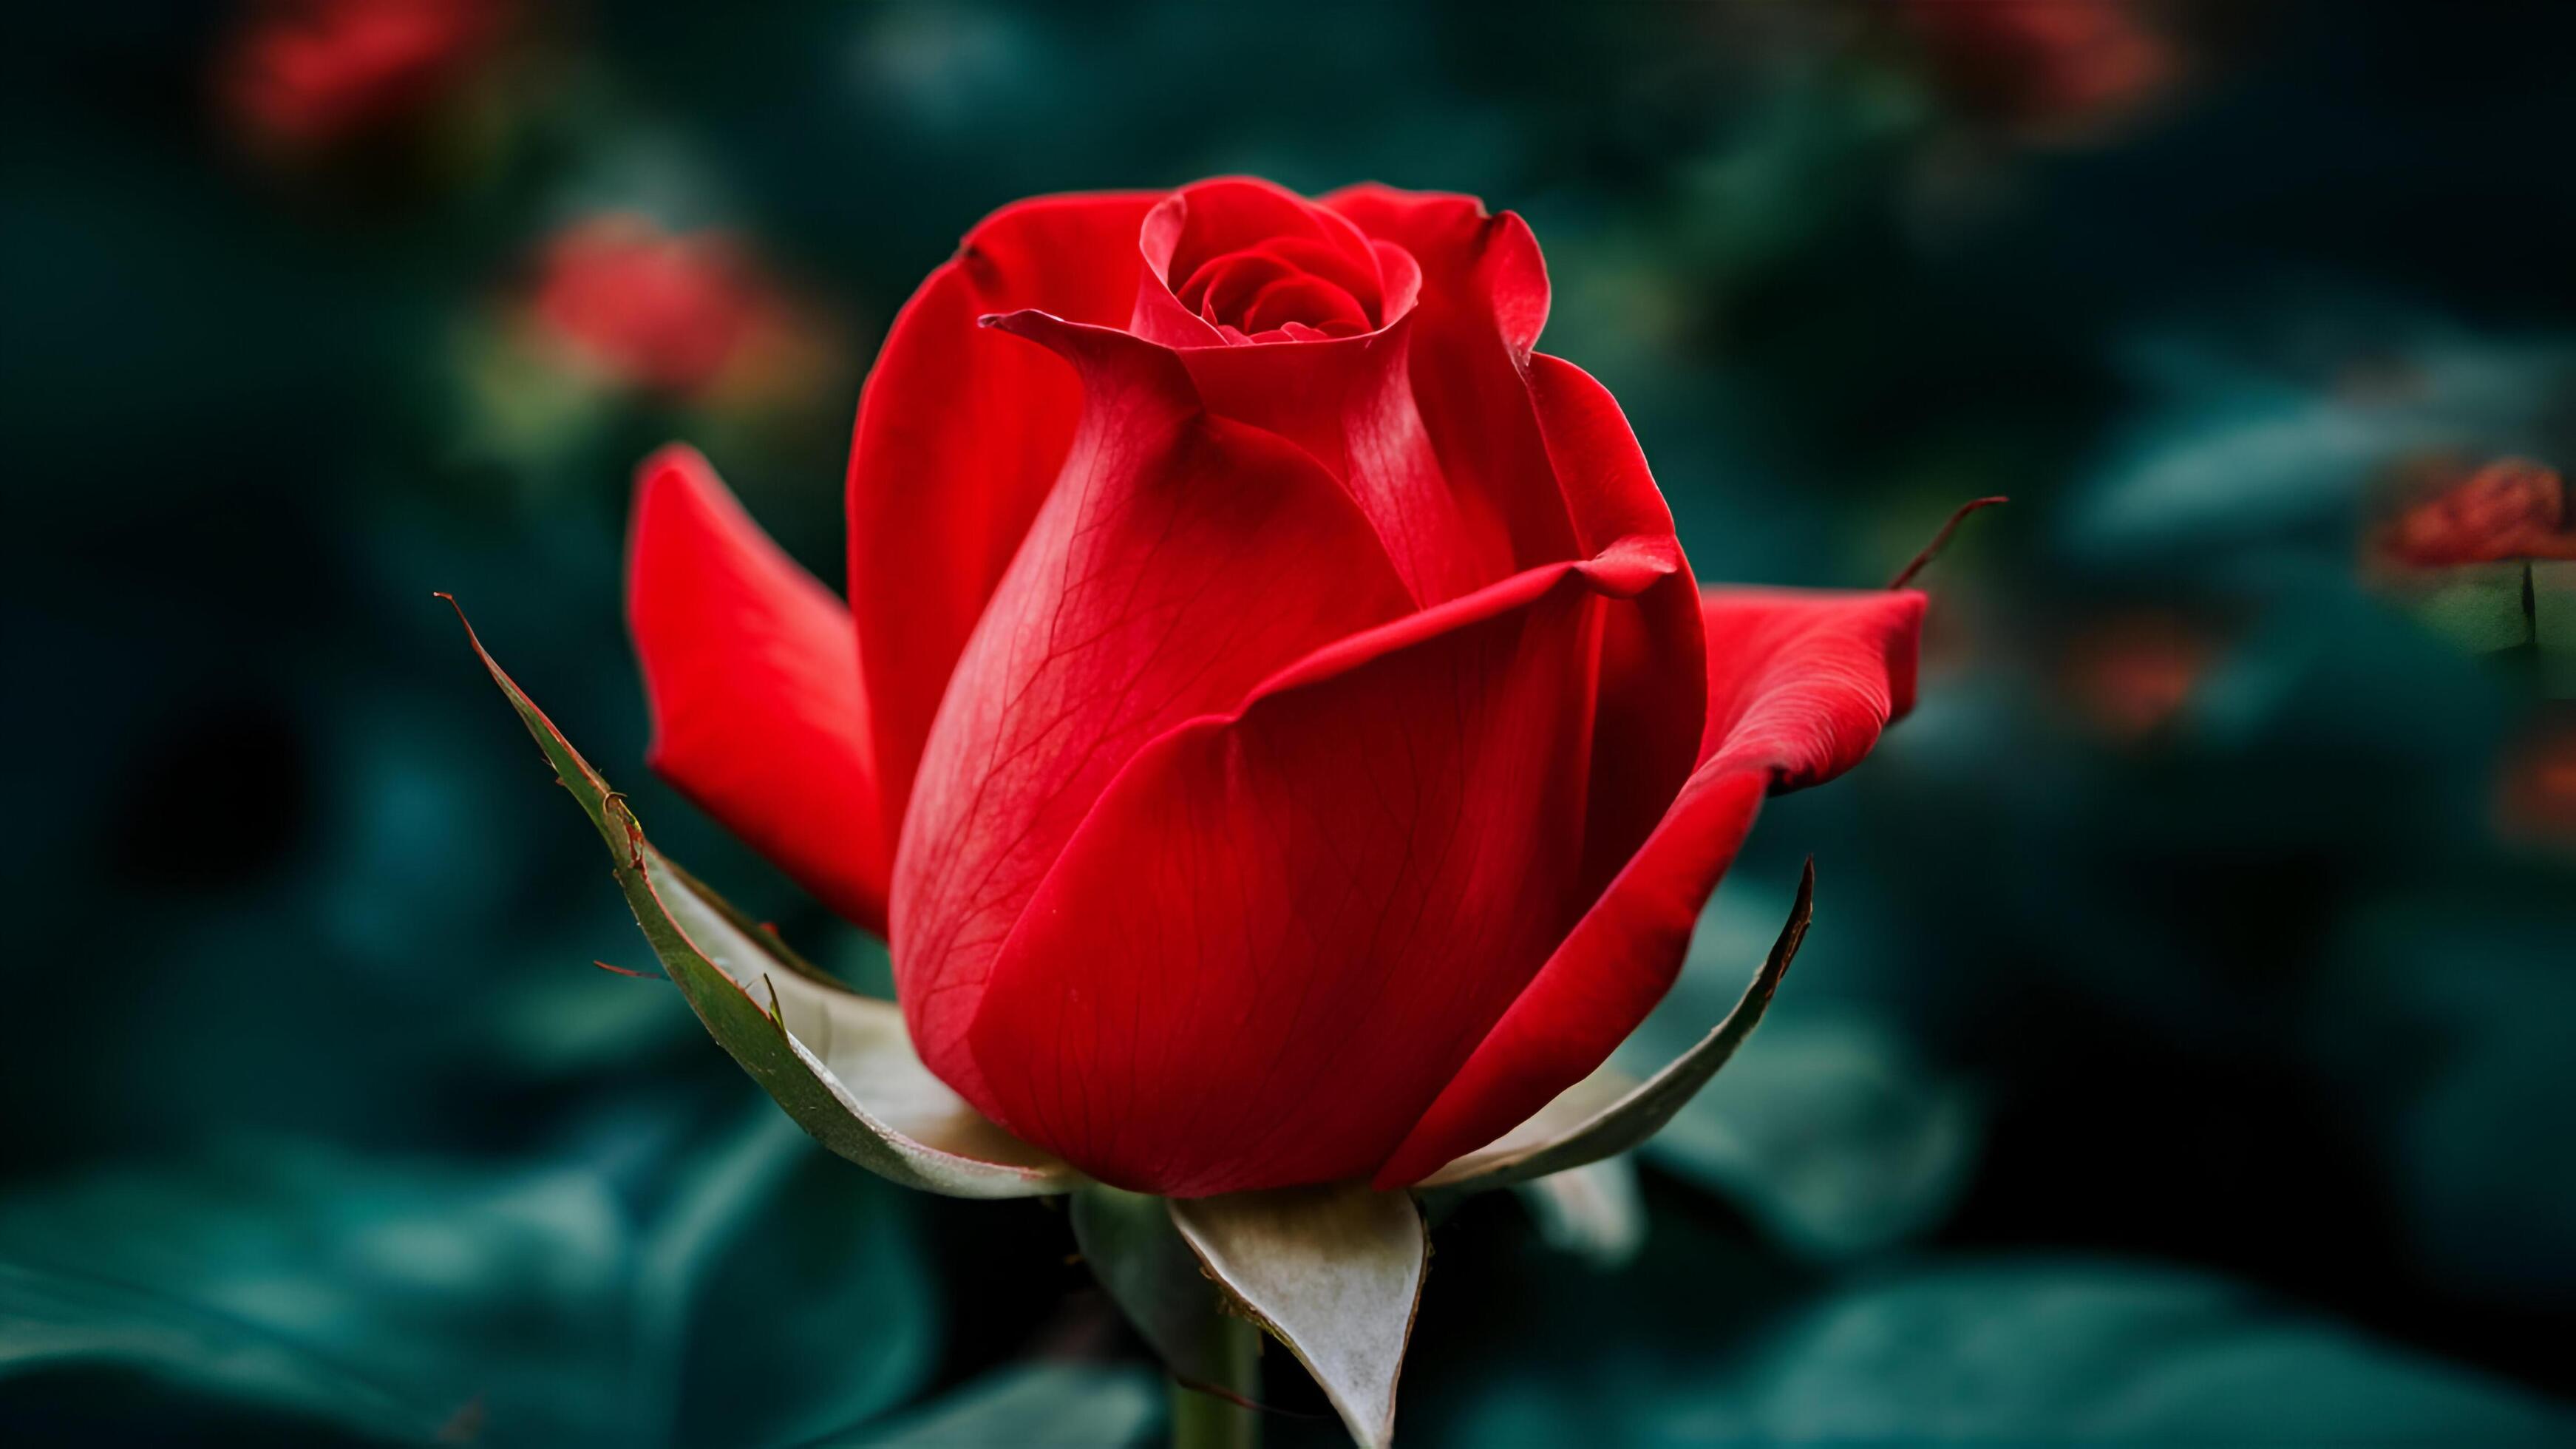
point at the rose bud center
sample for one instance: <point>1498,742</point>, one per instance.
<point>1283,283</point>
<point>1244,262</point>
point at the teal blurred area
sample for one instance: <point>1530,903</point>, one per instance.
<point>2181,1050</point>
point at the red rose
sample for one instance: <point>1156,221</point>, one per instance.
<point>678,314</point>
<point>311,72</point>
<point>1273,717</point>
<point>2511,508</point>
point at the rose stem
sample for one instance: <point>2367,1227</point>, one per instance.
<point>1223,1420</point>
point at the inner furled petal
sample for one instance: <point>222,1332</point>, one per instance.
<point>1399,278</point>
<point>1311,300</point>
<point>1221,248</point>
<point>1220,287</point>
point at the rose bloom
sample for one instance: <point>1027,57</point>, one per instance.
<point>679,314</point>
<point>2511,508</point>
<point>305,73</point>
<point>1272,719</point>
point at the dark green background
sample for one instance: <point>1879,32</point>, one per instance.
<point>2213,1083</point>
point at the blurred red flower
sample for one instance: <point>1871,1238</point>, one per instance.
<point>2536,794</point>
<point>681,314</point>
<point>2047,63</point>
<point>2129,676</point>
<point>307,73</point>
<point>2511,508</point>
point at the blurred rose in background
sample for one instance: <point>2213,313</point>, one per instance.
<point>301,75</point>
<point>2511,508</point>
<point>2131,675</point>
<point>688,316</point>
<point>2536,789</point>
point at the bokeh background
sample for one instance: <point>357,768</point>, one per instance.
<point>2183,1049</point>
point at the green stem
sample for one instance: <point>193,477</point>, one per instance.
<point>1203,1420</point>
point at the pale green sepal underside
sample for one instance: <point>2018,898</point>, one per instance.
<point>1607,1113</point>
<point>1332,1271</point>
<point>840,1063</point>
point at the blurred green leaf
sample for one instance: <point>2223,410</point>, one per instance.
<point>2479,607</point>
<point>2029,1351</point>
<point>2443,1016</point>
<point>2553,624</point>
<point>1827,1129</point>
<point>50,1322</point>
<point>773,1294</point>
<point>785,1293</point>
<point>1042,1406</point>
<point>440,1290</point>
<point>1832,1135</point>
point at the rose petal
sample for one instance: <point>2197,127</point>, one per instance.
<point>1800,684</point>
<point>1281,930</point>
<point>1149,590</point>
<point>1349,403</point>
<point>1652,702</point>
<point>1483,300</point>
<point>1209,219</point>
<point>751,670</point>
<point>1300,298</point>
<point>959,437</point>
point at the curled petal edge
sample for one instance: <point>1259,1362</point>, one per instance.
<point>815,1040</point>
<point>1606,1114</point>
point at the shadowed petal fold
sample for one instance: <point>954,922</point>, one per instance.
<point>1282,929</point>
<point>1483,299</point>
<point>960,434</point>
<point>751,670</point>
<point>1800,684</point>
<point>1653,706</point>
<point>1173,567</point>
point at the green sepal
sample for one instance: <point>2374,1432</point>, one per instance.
<point>838,1062</point>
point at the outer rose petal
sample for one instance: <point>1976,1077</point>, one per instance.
<point>960,433</point>
<point>1653,705</point>
<point>1799,686</point>
<point>1281,930</point>
<point>1483,301</point>
<point>751,669</point>
<point>1349,402</point>
<point>1181,559</point>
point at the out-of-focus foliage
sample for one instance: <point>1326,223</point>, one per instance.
<point>642,1290</point>
<point>2177,1051</point>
